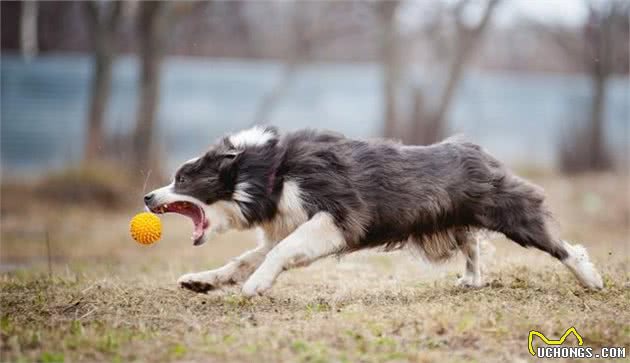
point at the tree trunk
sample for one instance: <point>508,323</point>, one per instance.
<point>598,155</point>
<point>103,25</point>
<point>99,99</point>
<point>147,109</point>
<point>391,66</point>
<point>420,127</point>
<point>437,119</point>
<point>151,29</point>
<point>28,29</point>
<point>270,100</point>
<point>430,126</point>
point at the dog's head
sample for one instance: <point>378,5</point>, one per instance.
<point>208,189</point>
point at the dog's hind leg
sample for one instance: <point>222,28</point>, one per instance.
<point>469,244</point>
<point>237,270</point>
<point>574,257</point>
<point>318,237</point>
<point>518,213</point>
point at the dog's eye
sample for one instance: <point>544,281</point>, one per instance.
<point>180,179</point>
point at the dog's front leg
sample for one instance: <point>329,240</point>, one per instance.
<point>318,237</point>
<point>237,270</point>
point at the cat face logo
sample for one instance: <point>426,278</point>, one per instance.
<point>550,341</point>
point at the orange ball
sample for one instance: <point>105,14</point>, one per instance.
<point>146,228</point>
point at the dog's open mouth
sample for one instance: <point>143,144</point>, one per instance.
<point>190,210</point>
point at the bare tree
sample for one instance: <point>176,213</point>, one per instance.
<point>28,29</point>
<point>151,27</point>
<point>428,123</point>
<point>310,26</point>
<point>601,49</point>
<point>154,21</point>
<point>297,51</point>
<point>103,20</point>
<point>390,60</point>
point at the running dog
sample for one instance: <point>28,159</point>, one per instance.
<point>313,194</point>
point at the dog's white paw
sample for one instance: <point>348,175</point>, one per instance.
<point>255,287</point>
<point>579,263</point>
<point>469,281</point>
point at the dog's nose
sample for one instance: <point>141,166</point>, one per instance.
<point>148,198</point>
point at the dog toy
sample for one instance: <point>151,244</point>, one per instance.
<point>146,228</point>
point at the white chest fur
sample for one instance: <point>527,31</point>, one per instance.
<point>290,215</point>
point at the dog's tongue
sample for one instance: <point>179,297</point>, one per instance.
<point>191,211</point>
<point>198,232</point>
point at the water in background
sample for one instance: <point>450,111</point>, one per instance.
<point>514,115</point>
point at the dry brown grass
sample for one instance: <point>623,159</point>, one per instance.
<point>109,299</point>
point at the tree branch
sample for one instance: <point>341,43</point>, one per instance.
<point>467,40</point>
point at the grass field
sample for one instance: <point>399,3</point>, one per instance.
<point>74,287</point>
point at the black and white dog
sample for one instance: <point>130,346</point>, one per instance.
<point>313,194</point>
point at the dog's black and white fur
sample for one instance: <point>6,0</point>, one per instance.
<point>313,194</point>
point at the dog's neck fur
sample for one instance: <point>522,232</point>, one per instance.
<point>260,184</point>
<point>271,183</point>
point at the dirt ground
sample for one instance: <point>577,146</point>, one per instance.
<point>76,288</point>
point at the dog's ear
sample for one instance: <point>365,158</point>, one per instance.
<point>230,156</point>
<point>222,157</point>
<point>229,153</point>
<point>225,153</point>
<point>228,164</point>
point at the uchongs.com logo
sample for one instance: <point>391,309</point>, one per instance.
<point>557,348</point>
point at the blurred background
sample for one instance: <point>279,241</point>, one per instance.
<point>101,100</point>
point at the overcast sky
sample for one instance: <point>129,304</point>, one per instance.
<point>568,12</point>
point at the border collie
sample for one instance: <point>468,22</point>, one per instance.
<point>313,194</point>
